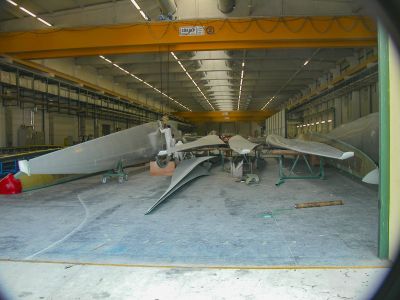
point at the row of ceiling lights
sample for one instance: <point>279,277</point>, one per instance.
<point>29,12</point>
<point>241,84</point>
<point>143,14</point>
<point>269,101</point>
<point>173,54</point>
<point>290,79</point>
<point>312,124</point>
<point>115,65</point>
<point>190,77</point>
<point>140,10</point>
<point>141,80</point>
<point>175,57</point>
<point>48,24</point>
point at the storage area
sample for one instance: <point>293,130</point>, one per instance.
<point>183,149</point>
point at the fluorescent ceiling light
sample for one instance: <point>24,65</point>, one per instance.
<point>141,80</point>
<point>136,5</point>
<point>30,13</point>
<point>27,11</point>
<point>140,10</point>
<point>174,56</point>
<point>144,15</point>
<point>190,77</point>
<point>45,22</point>
<point>240,86</point>
<point>137,78</point>
<point>12,2</point>
<point>293,76</point>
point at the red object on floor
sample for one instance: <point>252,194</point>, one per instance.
<point>10,185</point>
<point>168,170</point>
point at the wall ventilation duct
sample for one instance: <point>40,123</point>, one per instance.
<point>226,6</point>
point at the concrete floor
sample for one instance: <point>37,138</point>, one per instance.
<point>214,221</point>
<point>66,281</point>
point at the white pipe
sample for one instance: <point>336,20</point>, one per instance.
<point>167,6</point>
<point>226,6</point>
<point>33,119</point>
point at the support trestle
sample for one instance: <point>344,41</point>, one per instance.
<point>118,172</point>
<point>320,174</point>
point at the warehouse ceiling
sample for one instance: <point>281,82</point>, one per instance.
<point>278,73</point>
<point>200,80</point>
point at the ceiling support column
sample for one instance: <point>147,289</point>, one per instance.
<point>384,137</point>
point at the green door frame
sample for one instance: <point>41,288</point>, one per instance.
<point>384,142</point>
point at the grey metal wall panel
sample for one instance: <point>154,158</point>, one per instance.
<point>365,101</point>
<point>355,105</point>
<point>374,98</point>
<point>276,124</point>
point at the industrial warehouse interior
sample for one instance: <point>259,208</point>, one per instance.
<point>197,149</point>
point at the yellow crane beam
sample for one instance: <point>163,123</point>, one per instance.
<point>194,35</point>
<point>224,116</point>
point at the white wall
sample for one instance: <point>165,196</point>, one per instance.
<point>90,127</point>
<point>64,125</point>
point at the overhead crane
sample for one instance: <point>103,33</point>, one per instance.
<point>216,34</point>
